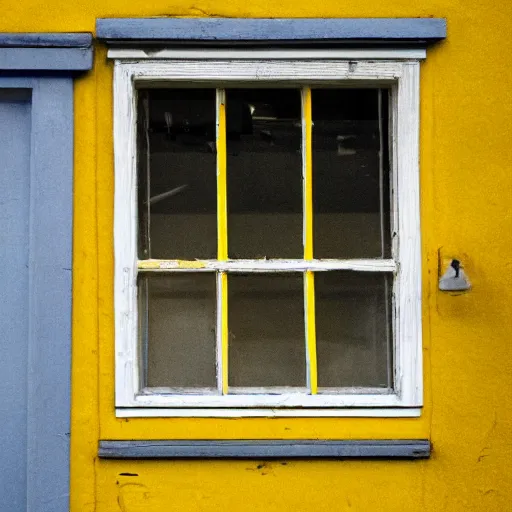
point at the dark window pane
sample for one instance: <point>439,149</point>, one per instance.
<point>181,318</point>
<point>353,326</point>
<point>264,169</point>
<point>266,330</point>
<point>177,127</point>
<point>351,199</point>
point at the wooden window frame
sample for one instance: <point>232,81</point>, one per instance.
<point>400,72</point>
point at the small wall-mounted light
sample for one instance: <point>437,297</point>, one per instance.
<point>454,279</point>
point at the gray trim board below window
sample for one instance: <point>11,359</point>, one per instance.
<point>273,449</point>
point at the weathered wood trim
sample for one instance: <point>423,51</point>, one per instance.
<point>403,77</point>
<point>407,245</point>
<point>281,54</point>
<point>360,265</point>
<point>233,412</point>
<point>217,30</point>
<point>125,236</point>
<point>292,71</point>
<point>349,398</point>
<point>257,449</point>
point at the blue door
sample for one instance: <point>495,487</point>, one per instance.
<point>15,110</point>
<point>36,195</point>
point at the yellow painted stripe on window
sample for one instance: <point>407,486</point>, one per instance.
<point>224,327</point>
<point>309,279</point>
<point>311,332</point>
<point>307,163</point>
<point>222,231</point>
<point>222,222</point>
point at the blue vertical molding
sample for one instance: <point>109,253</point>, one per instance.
<point>49,354</point>
<point>44,243</point>
<point>47,357</point>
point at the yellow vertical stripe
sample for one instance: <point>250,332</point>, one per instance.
<point>307,163</point>
<point>224,331</point>
<point>309,280</point>
<point>311,332</point>
<point>222,207</point>
<point>222,232</point>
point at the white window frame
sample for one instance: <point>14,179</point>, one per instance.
<point>398,69</point>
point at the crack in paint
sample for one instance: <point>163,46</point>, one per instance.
<point>488,439</point>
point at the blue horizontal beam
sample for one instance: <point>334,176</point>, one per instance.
<point>46,40</point>
<point>274,449</point>
<point>46,52</point>
<point>45,59</point>
<point>275,29</point>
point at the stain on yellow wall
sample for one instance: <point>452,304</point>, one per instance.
<point>466,207</point>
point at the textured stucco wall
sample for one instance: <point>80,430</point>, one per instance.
<point>466,187</point>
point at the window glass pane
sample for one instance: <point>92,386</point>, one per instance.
<point>264,173</point>
<point>353,326</point>
<point>177,128</point>
<point>266,330</point>
<point>181,318</point>
<point>350,182</point>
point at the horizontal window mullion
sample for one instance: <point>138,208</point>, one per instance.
<point>359,265</point>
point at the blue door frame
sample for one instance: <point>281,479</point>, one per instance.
<point>36,175</point>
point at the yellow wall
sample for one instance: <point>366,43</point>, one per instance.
<point>466,180</point>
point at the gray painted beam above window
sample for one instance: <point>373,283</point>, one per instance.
<point>275,30</point>
<point>273,449</point>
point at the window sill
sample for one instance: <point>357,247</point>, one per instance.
<point>144,412</point>
<point>259,449</point>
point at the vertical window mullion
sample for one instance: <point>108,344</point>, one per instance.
<point>382,236</point>
<point>395,240</point>
<point>222,333</point>
<point>222,245</point>
<point>309,278</point>
<point>222,223</point>
<point>307,172</point>
<point>309,311</point>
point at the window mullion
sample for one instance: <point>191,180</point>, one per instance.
<point>382,236</point>
<point>238,265</point>
<point>309,277</point>
<point>222,333</point>
<point>307,172</point>
<point>309,311</point>
<point>222,245</point>
<point>222,223</point>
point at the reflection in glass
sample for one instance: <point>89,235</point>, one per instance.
<point>176,129</point>
<point>264,172</point>
<point>180,335</point>
<point>266,330</point>
<point>351,198</point>
<point>353,324</point>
